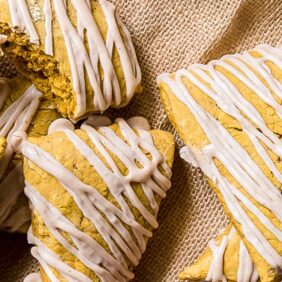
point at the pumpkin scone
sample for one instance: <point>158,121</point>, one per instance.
<point>228,114</point>
<point>225,259</point>
<point>22,109</point>
<point>95,194</point>
<point>78,53</point>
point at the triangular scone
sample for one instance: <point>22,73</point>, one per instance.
<point>228,113</point>
<point>225,259</point>
<point>22,109</point>
<point>95,194</point>
<point>82,56</point>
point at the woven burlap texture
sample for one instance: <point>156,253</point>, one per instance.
<point>171,34</point>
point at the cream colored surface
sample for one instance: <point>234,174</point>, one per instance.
<point>168,35</point>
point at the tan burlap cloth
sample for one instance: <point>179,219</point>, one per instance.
<point>171,34</point>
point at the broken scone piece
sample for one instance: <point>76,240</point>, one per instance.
<point>22,110</point>
<point>95,194</point>
<point>78,53</point>
<point>228,114</point>
<point>225,259</point>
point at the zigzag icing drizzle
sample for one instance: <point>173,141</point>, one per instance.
<point>108,267</point>
<point>226,149</point>
<point>15,118</point>
<point>81,60</point>
<point>246,271</point>
<point>20,16</point>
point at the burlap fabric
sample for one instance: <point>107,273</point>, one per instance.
<point>171,34</point>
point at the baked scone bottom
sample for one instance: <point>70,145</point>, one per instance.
<point>225,259</point>
<point>82,49</point>
<point>20,111</point>
<point>95,195</point>
<point>228,113</point>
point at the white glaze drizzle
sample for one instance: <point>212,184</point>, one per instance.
<point>226,149</point>
<point>21,17</point>
<point>48,28</point>
<point>108,267</point>
<point>15,117</point>
<point>139,123</point>
<point>126,50</point>
<point>48,258</point>
<point>85,248</point>
<point>81,60</point>
<point>215,273</point>
<point>59,125</point>
<point>33,277</point>
<point>246,270</point>
<point>3,39</point>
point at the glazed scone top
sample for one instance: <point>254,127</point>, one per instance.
<point>246,270</point>
<point>91,44</point>
<point>224,101</point>
<point>119,226</point>
<point>225,259</point>
<point>16,115</point>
